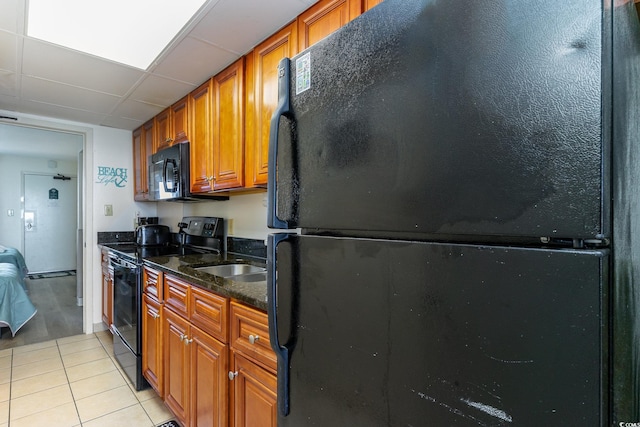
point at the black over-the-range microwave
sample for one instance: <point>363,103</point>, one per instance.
<point>169,176</point>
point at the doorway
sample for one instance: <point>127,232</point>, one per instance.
<point>50,222</point>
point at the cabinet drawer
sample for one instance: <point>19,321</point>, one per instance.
<point>209,312</point>
<point>250,335</point>
<point>176,294</point>
<point>152,283</point>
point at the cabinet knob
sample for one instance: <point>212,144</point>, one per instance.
<point>188,341</point>
<point>155,315</point>
<point>168,139</point>
<point>253,338</point>
<point>232,375</point>
<point>183,337</point>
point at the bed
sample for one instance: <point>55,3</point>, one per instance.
<point>13,256</point>
<point>16,309</point>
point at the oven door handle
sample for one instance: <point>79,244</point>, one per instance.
<point>118,261</point>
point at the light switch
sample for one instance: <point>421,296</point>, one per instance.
<point>108,210</point>
<point>10,212</point>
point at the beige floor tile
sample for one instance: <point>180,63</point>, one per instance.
<point>75,338</point>
<point>5,361</point>
<point>131,416</point>
<point>142,395</point>
<point>35,368</point>
<point>39,355</point>
<point>90,369</point>
<point>77,346</point>
<point>104,403</point>
<point>60,416</point>
<point>38,383</point>
<point>97,384</point>
<point>32,347</point>
<point>157,410</point>
<point>84,356</point>
<point>40,401</point>
<point>4,413</point>
<point>6,352</point>
<point>5,375</point>
<point>5,392</point>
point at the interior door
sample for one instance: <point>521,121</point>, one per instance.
<point>406,333</point>
<point>50,223</point>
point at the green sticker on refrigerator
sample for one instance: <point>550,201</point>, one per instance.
<point>303,73</point>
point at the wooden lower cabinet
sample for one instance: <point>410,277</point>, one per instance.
<point>254,400</point>
<point>152,359</point>
<point>209,380</point>
<point>195,373</point>
<point>208,359</point>
<point>176,364</point>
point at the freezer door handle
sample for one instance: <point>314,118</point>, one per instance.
<point>282,351</point>
<point>283,108</point>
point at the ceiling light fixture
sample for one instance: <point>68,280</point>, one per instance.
<point>132,32</point>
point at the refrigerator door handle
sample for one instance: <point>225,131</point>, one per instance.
<point>283,108</point>
<point>282,352</point>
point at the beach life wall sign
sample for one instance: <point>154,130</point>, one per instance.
<point>110,175</point>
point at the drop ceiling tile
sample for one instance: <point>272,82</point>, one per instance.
<point>121,123</point>
<point>8,102</point>
<point>138,111</point>
<point>8,83</point>
<point>257,19</point>
<point>194,61</point>
<point>160,91</point>
<point>61,112</point>
<point>10,13</point>
<point>68,66</point>
<point>8,51</point>
<point>68,96</point>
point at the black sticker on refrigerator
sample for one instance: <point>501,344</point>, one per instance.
<point>303,73</point>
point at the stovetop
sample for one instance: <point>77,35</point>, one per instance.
<point>138,252</point>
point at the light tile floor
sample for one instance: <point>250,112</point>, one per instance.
<point>73,381</point>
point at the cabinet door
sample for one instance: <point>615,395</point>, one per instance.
<point>163,130</point>
<point>152,282</point>
<point>107,295</point>
<point>209,380</point>
<point>180,121</point>
<point>152,343</point>
<point>368,4</point>
<point>254,400</point>
<point>177,294</point>
<point>176,364</point>
<point>201,144</point>
<point>228,127</point>
<point>139,165</point>
<point>266,57</point>
<point>325,17</point>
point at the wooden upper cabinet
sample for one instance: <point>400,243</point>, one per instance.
<point>180,121</point>
<point>228,127</point>
<point>324,18</point>
<point>172,125</point>
<point>163,130</point>
<point>139,180</point>
<point>263,100</point>
<point>368,4</point>
<point>201,144</point>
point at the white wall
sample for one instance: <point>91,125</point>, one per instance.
<point>248,212</point>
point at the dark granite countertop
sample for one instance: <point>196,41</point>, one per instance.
<point>184,267</point>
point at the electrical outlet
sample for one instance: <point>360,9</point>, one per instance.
<point>230,226</point>
<point>108,210</point>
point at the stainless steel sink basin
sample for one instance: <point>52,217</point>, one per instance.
<point>229,270</point>
<point>249,278</point>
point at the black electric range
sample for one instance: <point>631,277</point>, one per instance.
<point>197,235</point>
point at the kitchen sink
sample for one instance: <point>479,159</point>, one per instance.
<point>229,270</point>
<point>250,278</point>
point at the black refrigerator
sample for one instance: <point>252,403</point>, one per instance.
<point>460,181</point>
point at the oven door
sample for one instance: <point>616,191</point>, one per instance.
<point>126,308</point>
